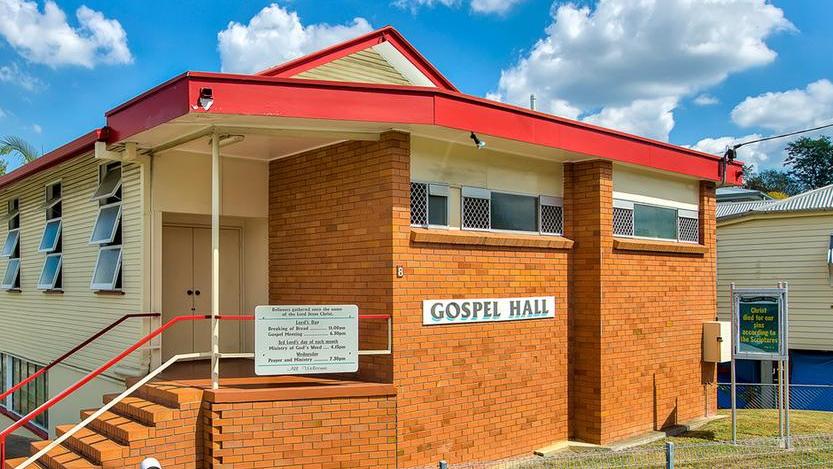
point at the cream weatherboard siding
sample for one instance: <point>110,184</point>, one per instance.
<point>41,326</point>
<point>366,66</point>
<point>762,251</point>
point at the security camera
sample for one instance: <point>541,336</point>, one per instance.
<point>150,463</point>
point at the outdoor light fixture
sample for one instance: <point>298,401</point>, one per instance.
<point>479,143</point>
<point>206,98</point>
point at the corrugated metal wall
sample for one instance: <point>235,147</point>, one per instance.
<point>41,326</point>
<point>762,252</point>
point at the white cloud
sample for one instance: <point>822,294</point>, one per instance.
<point>37,129</point>
<point>14,75</point>
<point>623,51</point>
<point>652,118</point>
<point>755,154</point>
<point>47,38</point>
<point>705,99</point>
<point>499,7</point>
<point>787,110</point>
<point>276,35</point>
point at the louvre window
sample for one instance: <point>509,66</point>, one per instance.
<point>429,204</point>
<point>651,221</point>
<point>50,276</point>
<point>107,268</point>
<point>32,395</point>
<point>106,232</point>
<point>106,224</point>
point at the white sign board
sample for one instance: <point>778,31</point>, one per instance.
<point>305,339</point>
<point>436,312</point>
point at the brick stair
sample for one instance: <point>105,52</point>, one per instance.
<point>157,420</point>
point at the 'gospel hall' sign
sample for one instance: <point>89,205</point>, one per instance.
<point>436,312</point>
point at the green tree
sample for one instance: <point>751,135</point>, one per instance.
<point>23,150</point>
<point>770,181</point>
<point>811,161</point>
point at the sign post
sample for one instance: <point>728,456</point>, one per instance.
<point>306,339</point>
<point>760,330</point>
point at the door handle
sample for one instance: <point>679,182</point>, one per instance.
<point>197,293</point>
<point>189,292</point>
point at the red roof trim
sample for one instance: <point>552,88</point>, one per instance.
<point>79,146</point>
<point>388,33</point>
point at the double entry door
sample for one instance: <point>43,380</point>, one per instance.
<point>186,288</point>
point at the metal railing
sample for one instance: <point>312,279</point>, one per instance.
<point>110,363</point>
<point>63,357</point>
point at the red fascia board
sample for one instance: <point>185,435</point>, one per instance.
<point>313,99</point>
<point>79,146</point>
<point>388,33</point>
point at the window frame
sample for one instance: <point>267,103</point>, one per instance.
<point>630,205</point>
<point>15,285</point>
<point>53,285</point>
<point>430,187</point>
<point>14,246</point>
<point>102,173</point>
<point>111,286</point>
<point>57,236</point>
<point>540,200</point>
<point>9,366</point>
<point>116,224</point>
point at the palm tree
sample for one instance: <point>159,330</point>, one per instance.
<point>11,145</point>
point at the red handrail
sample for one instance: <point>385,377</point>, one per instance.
<point>73,350</point>
<point>101,369</point>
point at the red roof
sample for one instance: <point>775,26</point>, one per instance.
<point>387,34</point>
<point>274,93</point>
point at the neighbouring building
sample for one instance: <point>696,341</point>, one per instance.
<point>359,175</point>
<point>761,243</point>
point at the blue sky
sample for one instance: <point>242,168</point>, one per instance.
<point>665,69</point>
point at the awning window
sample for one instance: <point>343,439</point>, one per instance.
<point>10,246</point>
<point>51,272</point>
<point>51,236</point>
<point>110,182</point>
<point>107,268</point>
<point>11,278</point>
<point>106,224</point>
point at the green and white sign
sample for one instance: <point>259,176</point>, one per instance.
<point>760,324</point>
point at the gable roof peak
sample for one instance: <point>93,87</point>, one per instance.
<point>387,34</point>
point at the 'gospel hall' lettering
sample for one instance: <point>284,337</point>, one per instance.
<point>487,310</point>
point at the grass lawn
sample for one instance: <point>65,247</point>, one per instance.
<point>707,447</point>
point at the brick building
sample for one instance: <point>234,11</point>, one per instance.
<point>359,175</point>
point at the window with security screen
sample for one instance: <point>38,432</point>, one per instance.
<point>655,222</point>
<point>484,209</point>
<point>552,215</point>
<point>106,232</point>
<point>429,204</point>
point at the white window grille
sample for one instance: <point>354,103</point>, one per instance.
<point>477,208</point>
<point>51,272</point>
<point>429,204</point>
<point>688,226</point>
<point>106,224</point>
<point>107,268</point>
<point>622,218</point>
<point>419,204</point>
<point>32,395</point>
<point>552,215</point>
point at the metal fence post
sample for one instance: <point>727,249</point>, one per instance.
<point>669,455</point>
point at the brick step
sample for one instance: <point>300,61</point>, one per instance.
<point>61,457</point>
<point>93,445</point>
<point>13,463</point>
<point>119,428</point>
<point>140,410</point>
<point>169,394</point>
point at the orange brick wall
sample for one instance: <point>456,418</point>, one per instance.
<point>330,234</point>
<point>311,433</point>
